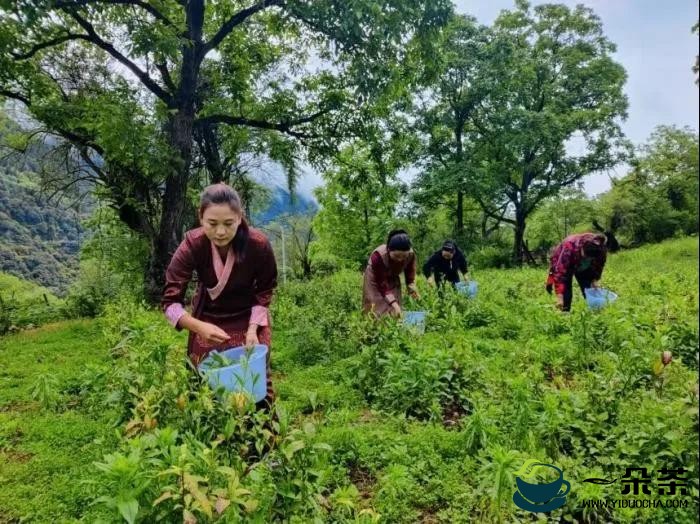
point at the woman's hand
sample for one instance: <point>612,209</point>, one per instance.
<point>595,284</point>
<point>212,334</point>
<point>396,309</point>
<point>413,291</point>
<point>251,337</point>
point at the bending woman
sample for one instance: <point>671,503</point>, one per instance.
<point>381,292</point>
<point>237,273</point>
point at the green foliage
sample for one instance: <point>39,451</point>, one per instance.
<point>39,239</point>
<point>45,391</point>
<point>92,291</point>
<point>25,304</point>
<point>357,208</point>
<point>571,211</point>
<point>499,256</point>
<point>113,262</point>
<point>46,451</point>
<point>507,101</point>
<point>659,197</point>
<point>315,335</point>
<point>203,89</point>
<point>187,452</point>
<point>369,412</point>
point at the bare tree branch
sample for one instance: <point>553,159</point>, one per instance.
<point>50,43</point>
<point>494,214</point>
<point>165,75</point>
<point>63,188</point>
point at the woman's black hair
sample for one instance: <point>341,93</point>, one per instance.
<point>398,240</point>
<point>224,194</point>
<point>611,242</point>
<point>449,245</point>
<point>595,247</point>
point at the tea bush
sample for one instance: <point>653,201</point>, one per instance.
<point>376,422</point>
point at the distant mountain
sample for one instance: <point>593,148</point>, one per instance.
<point>39,240</point>
<point>282,203</point>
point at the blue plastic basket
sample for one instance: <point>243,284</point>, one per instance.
<point>598,297</point>
<point>467,288</point>
<point>247,374</point>
<point>415,320</point>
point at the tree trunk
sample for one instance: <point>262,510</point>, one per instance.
<point>306,267</point>
<point>180,134</point>
<point>528,254</point>
<point>173,213</point>
<point>460,212</point>
<point>518,253</point>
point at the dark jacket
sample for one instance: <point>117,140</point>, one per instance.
<point>443,268</point>
<point>250,284</point>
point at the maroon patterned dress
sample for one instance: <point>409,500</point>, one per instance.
<point>230,293</point>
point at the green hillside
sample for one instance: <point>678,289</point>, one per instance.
<point>23,290</point>
<point>25,304</point>
<point>39,239</point>
<point>385,425</point>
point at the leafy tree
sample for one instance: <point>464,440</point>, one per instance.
<point>670,161</point>
<point>357,207</point>
<point>559,90</point>
<point>659,197</point>
<point>140,89</point>
<point>570,211</point>
<point>297,233</point>
<point>466,54</point>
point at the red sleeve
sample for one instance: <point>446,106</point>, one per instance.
<point>379,271</point>
<point>178,276</point>
<point>265,275</point>
<point>563,265</point>
<point>410,271</point>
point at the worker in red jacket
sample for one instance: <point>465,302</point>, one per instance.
<point>581,256</point>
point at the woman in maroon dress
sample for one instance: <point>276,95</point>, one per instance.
<point>381,290</point>
<point>237,273</point>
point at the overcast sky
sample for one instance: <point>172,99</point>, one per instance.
<point>656,47</point>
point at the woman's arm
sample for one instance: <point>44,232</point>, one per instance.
<point>428,266</point>
<point>177,278</point>
<point>410,275</point>
<point>380,277</point>
<point>264,285</point>
<point>563,267</point>
<point>178,275</point>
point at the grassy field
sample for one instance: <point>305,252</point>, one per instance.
<point>25,304</point>
<point>46,453</point>
<point>101,421</point>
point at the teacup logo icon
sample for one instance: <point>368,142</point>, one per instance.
<point>541,487</point>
